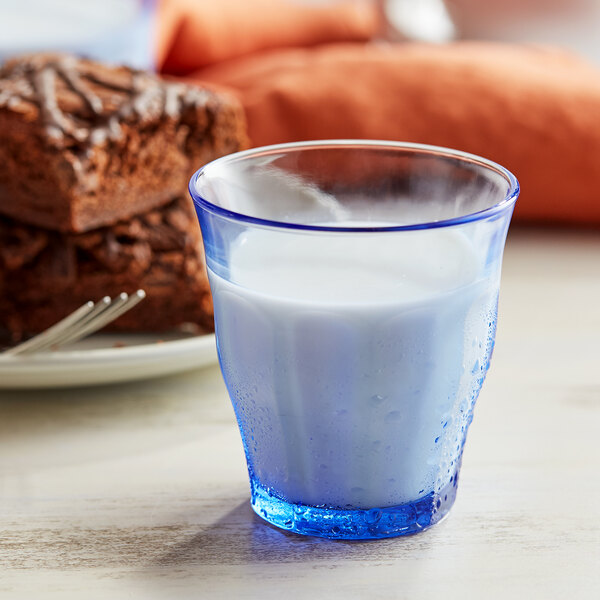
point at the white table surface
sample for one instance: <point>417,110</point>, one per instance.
<point>140,490</point>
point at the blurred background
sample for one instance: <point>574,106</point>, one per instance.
<point>573,24</point>
<point>111,30</point>
<point>123,30</point>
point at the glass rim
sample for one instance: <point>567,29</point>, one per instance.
<point>503,205</point>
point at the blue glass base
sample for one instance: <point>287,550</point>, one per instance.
<point>358,524</point>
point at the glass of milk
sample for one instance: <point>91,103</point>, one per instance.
<point>355,287</point>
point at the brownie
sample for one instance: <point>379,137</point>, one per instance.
<point>45,274</point>
<point>84,145</point>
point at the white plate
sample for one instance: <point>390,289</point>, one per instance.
<point>108,359</point>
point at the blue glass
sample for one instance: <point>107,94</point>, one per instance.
<point>355,286</point>
<point>352,523</point>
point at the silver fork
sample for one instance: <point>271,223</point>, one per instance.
<point>84,321</point>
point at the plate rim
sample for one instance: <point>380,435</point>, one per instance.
<point>92,366</point>
<point>130,352</point>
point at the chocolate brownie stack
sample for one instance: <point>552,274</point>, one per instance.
<point>94,165</point>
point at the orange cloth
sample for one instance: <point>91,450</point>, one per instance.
<point>194,33</point>
<point>535,111</point>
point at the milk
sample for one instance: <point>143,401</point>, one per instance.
<point>353,359</point>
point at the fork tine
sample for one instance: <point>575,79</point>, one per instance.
<point>64,335</point>
<point>99,320</point>
<point>118,306</point>
<point>35,343</point>
<point>84,321</point>
<point>115,311</point>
